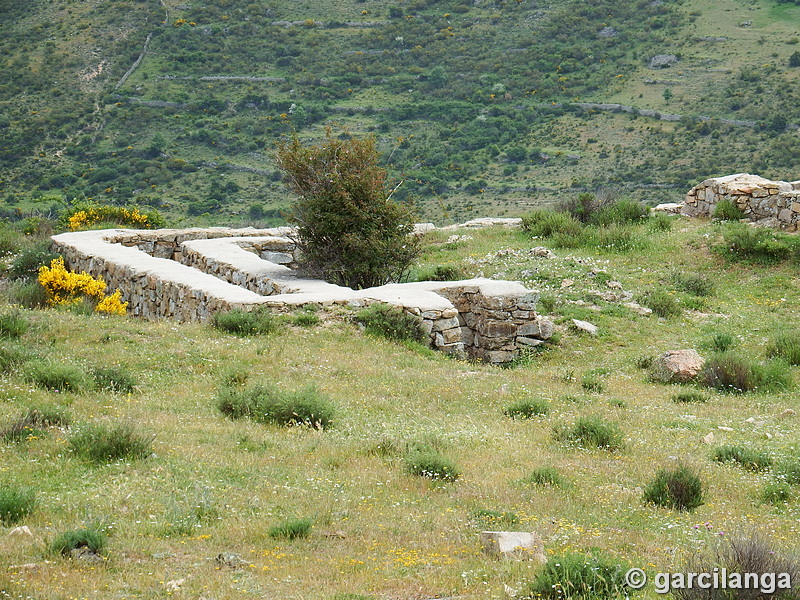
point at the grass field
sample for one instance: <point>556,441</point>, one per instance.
<point>215,486</point>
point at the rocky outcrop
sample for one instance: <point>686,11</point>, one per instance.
<point>769,203</point>
<point>190,274</point>
<point>677,366</point>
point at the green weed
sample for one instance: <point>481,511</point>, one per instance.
<point>16,503</point>
<point>679,488</point>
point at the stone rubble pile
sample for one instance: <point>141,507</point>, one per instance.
<point>190,274</point>
<point>769,203</point>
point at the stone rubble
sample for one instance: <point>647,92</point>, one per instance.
<point>769,203</point>
<point>190,274</point>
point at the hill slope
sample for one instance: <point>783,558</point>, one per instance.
<point>474,104</point>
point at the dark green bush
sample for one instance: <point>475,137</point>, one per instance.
<point>620,212</point>
<point>67,541</point>
<point>732,372</point>
<point>547,223</point>
<point>592,432</point>
<point>269,404</point>
<point>752,460</point>
<point>726,210</point>
<point>58,377</point>
<point>679,488</point>
<point>114,379</point>
<point>578,577</point>
<point>661,303</point>
<point>15,503</point>
<point>244,323</point>
<point>34,422</point>
<point>448,272</point>
<point>13,325</point>
<point>689,396</point>
<point>350,230</point>
<point>527,408</point>
<point>108,443</point>
<point>545,476</point>
<point>391,322</point>
<point>431,464</point>
<point>291,529</point>
<point>785,345</point>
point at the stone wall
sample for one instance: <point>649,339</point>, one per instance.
<point>190,274</point>
<point>769,203</point>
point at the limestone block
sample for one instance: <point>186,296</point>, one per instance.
<point>497,329</point>
<point>497,357</point>
<point>431,314</point>
<point>785,215</point>
<point>449,313</point>
<point>677,366</point>
<point>448,336</point>
<point>527,341</point>
<point>795,207</point>
<point>443,324</point>
<point>513,544</point>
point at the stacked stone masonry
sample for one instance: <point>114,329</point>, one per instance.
<point>189,274</point>
<point>769,203</point>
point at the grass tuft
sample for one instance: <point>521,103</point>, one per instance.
<point>752,460</point>
<point>33,422</point>
<point>269,404</point>
<point>291,529</point>
<point>545,476</point>
<point>578,576</point>
<point>592,432</point>
<point>527,409</point>
<point>66,542</point>
<point>785,345</point>
<point>679,488</point>
<point>114,379</point>
<point>245,323</point>
<point>16,503</point>
<point>431,464</point>
<point>391,322</point>
<point>108,443</point>
<point>58,377</point>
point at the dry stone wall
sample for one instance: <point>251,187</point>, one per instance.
<point>190,274</point>
<point>769,203</point>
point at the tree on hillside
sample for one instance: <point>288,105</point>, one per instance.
<point>349,229</point>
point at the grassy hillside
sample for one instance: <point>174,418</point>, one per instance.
<point>472,103</point>
<point>194,518</point>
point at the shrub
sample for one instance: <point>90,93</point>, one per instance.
<point>592,432</point>
<point>13,325</point>
<point>494,518</point>
<point>306,316</point>
<point>244,323</point>
<point>786,346</point>
<point>431,464</point>
<point>58,377</point>
<point>85,215</point>
<point>291,529</point>
<point>615,238</point>
<point>777,493</point>
<point>349,229</point>
<point>527,409</point>
<point>33,422</point>
<point>391,322</point>
<point>679,488</point>
<point>620,212</point>
<point>547,223</point>
<point>578,577</point>
<point>15,503</point>
<point>66,542</point>
<point>107,443</point>
<point>660,222</point>
<point>722,342</point>
<point>269,404</point>
<point>115,379</point>
<point>28,294</point>
<point>752,460</point>
<point>27,264</point>
<point>695,284</point>
<point>727,210</point>
<point>688,396</point>
<point>545,476</point>
<point>731,372</point>
<point>661,303</point>
<point>67,289</point>
<point>754,245</point>
<point>742,553</point>
<point>442,273</point>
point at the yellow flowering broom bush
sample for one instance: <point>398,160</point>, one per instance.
<point>64,288</point>
<point>83,216</point>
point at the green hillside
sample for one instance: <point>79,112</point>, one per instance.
<point>474,105</point>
